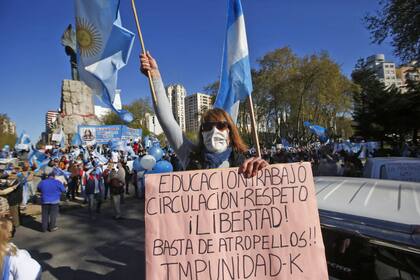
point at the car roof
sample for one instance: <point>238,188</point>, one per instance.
<point>385,200</point>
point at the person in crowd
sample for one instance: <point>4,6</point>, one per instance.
<point>6,187</point>
<point>127,177</point>
<point>116,180</point>
<point>327,166</point>
<point>105,176</point>
<point>63,164</point>
<point>93,191</point>
<point>138,182</point>
<point>86,169</point>
<point>136,147</point>
<point>73,182</point>
<point>16,264</point>
<point>51,190</point>
<point>14,198</point>
<point>27,183</point>
<point>115,156</point>
<point>220,144</point>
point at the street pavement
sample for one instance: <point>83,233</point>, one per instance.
<point>82,248</point>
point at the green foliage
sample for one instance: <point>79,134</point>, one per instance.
<point>138,108</point>
<point>162,140</point>
<point>9,139</point>
<point>399,21</point>
<point>382,113</point>
<point>344,128</point>
<point>289,90</point>
<point>192,136</point>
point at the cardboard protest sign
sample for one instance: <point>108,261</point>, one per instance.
<point>216,224</point>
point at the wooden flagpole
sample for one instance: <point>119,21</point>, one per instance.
<point>149,75</point>
<point>254,126</point>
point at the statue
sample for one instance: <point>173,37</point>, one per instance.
<point>68,40</point>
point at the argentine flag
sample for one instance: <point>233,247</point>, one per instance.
<point>23,142</point>
<point>103,47</point>
<point>235,80</point>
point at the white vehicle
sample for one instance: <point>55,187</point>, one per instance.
<point>370,227</point>
<point>394,168</point>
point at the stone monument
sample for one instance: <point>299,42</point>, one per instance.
<point>77,106</point>
<point>68,40</point>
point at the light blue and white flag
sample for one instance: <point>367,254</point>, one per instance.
<point>23,138</point>
<point>75,140</point>
<point>23,142</point>
<point>235,80</point>
<point>103,48</point>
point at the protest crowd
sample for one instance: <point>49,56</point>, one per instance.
<point>93,175</point>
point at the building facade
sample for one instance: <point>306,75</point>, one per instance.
<point>176,94</point>
<point>384,70</point>
<point>50,119</point>
<point>7,126</point>
<point>152,124</point>
<point>195,105</point>
<point>408,72</point>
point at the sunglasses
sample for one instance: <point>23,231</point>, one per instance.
<point>207,126</point>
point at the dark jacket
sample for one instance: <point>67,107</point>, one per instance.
<point>90,183</point>
<point>15,197</point>
<point>116,182</point>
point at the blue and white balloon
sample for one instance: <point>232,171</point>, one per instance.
<point>163,166</point>
<point>156,152</point>
<point>148,162</point>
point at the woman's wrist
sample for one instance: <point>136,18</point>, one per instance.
<point>155,73</point>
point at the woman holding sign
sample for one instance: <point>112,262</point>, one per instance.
<point>220,145</point>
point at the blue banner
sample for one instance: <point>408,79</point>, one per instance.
<point>128,133</point>
<point>103,134</point>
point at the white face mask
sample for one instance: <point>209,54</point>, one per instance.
<point>216,141</point>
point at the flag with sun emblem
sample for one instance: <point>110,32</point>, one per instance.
<point>103,47</point>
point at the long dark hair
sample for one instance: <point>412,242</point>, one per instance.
<point>219,115</point>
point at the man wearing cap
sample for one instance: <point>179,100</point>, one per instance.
<point>50,190</point>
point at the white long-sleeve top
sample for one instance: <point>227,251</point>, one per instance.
<point>23,266</point>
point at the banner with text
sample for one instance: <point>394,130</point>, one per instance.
<point>217,224</point>
<point>103,134</point>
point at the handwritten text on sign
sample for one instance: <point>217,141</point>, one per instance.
<point>216,224</point>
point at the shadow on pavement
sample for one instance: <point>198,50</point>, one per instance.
<point>82,248</point>
<point>31,223</point>
<point>124,261</point>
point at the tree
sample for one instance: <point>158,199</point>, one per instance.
<point>383,113</point>
<point>138,108</point>
<point>289,89</point>
<point>398,20</point>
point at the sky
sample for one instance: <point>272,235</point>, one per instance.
<point>185,36</point>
